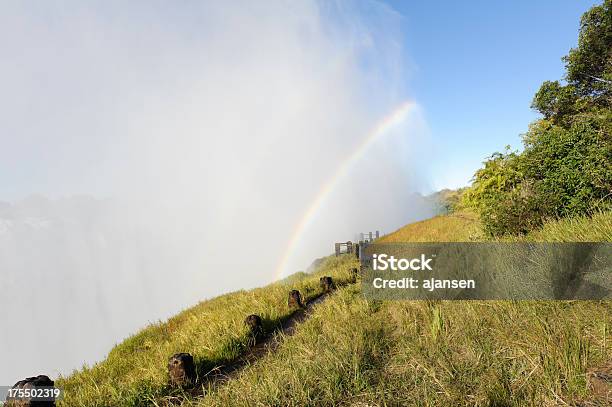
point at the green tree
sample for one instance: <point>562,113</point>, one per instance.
<point>588,71</point>
<point>555,101</point>
<point>570,167</point>
<point>565,168</point>
<point>589,66</point>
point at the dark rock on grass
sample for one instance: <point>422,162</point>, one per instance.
<point>36,382</point>
<point>255,325</point>
<point>181,370</point>
<point>326,283</point>
<point>295,299</point>
<point>354,274</point>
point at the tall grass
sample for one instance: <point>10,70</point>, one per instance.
<point>334,354</point>
<point>465,227</point>
<point>456,227</point>
<point>354,352</point>
<point>135,372</point>
<point>596,228</point>
<point>420,353</point>
<point>446,353</point>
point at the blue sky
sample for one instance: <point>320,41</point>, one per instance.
<point>475,67</point>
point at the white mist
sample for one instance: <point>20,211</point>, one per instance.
<point>174,148</point>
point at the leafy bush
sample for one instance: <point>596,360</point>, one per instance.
<point>561,172</point>
<point>571,167</point>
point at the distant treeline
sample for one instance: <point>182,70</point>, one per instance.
<point>565,168</point>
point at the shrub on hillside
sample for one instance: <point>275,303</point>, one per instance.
<point>561,172</point>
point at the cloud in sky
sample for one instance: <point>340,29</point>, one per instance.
<point>195,136</point>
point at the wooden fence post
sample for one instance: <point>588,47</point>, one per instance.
<point>181,370</point>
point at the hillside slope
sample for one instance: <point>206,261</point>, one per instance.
<point>464,226</point>
<point>214,332</point>
<point>357,352</point>
<point>448,353</point>
<point>456,227</point>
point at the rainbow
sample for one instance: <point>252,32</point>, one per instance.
<point>397,116</point>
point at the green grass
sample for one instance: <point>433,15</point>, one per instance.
<point>135,371</point>
<point>597,228</point>
<point>354,352</point>
<point>428,354</point>
<point>419,353</point>
<point>464,226</point>
<point>457,227</point>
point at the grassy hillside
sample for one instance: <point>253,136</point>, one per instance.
<point>455,227</point>
<point>578,229</point>
<point>356,352</point>
<point>135,371</point>
<point>418,353</point>
<point>464,226</point>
